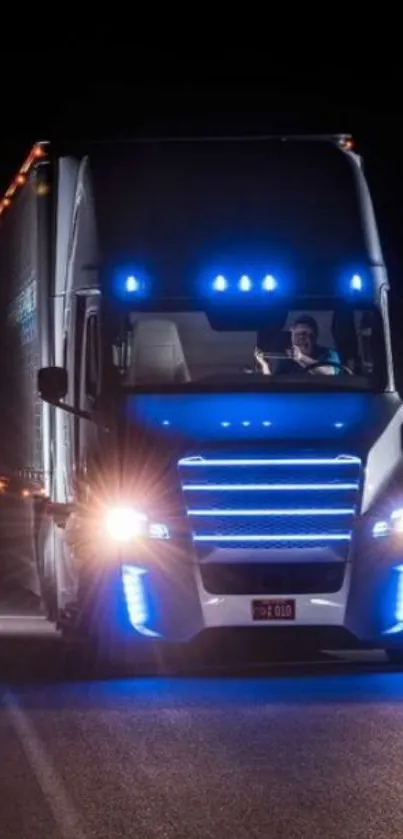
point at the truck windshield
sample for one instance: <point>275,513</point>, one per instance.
<point>304,347</point>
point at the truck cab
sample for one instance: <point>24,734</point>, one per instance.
<point>225,432</point>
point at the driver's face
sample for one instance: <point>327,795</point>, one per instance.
<point>304,339</point>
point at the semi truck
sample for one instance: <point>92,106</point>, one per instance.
<point>199,392</point>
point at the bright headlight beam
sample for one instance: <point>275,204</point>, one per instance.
<point>124,524</point>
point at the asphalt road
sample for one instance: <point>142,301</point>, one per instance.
<point>287,751</point>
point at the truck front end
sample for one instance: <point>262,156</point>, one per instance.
<point>257,431</point>
<point>258,501</point>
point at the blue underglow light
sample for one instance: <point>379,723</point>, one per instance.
<point>220,283</point>
<point>132,283</point>
<point>245,283</point>
<point>269,283</point>
<point>356,282</point>
<point>135,597</point>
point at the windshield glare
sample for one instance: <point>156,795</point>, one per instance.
<point>330,348</point>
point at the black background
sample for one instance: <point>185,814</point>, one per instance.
<point>117,91</point>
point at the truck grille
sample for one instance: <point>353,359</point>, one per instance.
<point>269,502</point>
<point>272,578</point>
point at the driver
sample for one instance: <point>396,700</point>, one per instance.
<point>304,351</point>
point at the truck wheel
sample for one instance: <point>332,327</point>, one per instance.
<point>395,657</point>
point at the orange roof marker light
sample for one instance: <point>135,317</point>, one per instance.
<point>347,143</point>
<point>38,152</point>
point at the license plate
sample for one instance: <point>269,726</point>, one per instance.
<point>273,610</point>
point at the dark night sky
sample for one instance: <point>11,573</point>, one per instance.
<point>207,98</point>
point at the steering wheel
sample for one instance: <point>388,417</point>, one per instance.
<point>338,364</point>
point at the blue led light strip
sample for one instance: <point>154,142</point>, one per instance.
<point>398,625</point>
<point>268,487</point>
<point>259,537</point>
<point>348,511</point>
<point>342,460</point>
<point>136,604</point>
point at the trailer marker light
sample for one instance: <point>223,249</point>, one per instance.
<point>37,152</point>
<point>347,143</point>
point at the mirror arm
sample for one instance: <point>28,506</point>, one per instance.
<point>76,412</point>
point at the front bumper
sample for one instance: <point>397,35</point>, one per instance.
<point>161,593</point>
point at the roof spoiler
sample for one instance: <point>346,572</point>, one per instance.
<point>343,140</point>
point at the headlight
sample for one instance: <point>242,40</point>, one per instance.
<point>123,524</point>
<point>386,527</point>
<point>126,524</point>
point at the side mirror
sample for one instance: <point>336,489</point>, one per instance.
<point>52,384</point>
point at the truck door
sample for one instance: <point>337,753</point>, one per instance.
<point>90,381</point>
<point>82,359</point>
<point>68,425</point>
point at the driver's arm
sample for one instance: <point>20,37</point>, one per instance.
<point>326,370</point>
<point>306,361</point>
<point>262,362</point>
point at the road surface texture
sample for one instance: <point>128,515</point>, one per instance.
<point>288,751</point>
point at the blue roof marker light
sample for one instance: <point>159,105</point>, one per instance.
<point>220,283</point>
<point>245,283</point>
<point>132,284</point>
<point>356,283</point>
<point>269,283</point>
